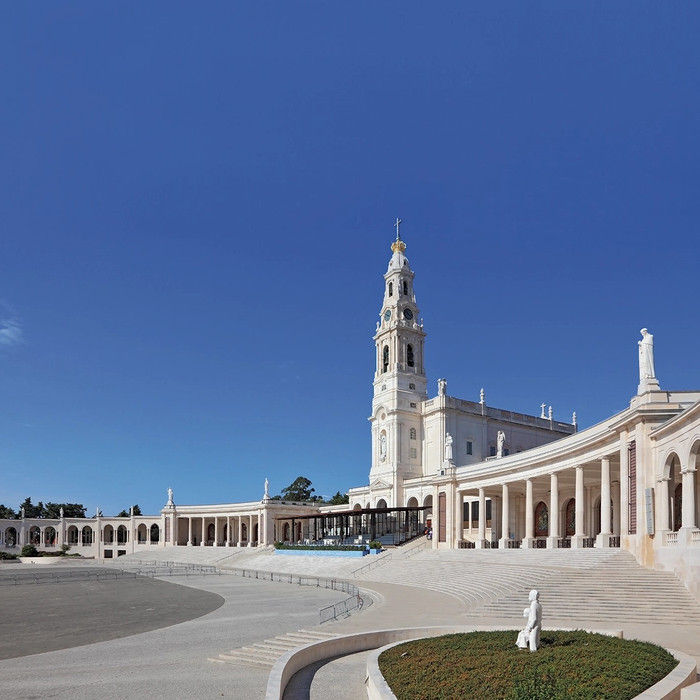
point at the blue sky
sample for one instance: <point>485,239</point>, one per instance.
<point>197,204</point>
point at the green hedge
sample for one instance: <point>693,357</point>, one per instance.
<point>568,666</point>
<point>315,548</point>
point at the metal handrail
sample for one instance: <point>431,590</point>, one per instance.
<point>377,561</point>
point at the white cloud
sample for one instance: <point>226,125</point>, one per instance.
<point>10,327</point>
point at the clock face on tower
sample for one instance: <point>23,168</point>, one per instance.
<point>387,314</point>
<point>408,314</point>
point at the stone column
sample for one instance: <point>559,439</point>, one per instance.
<point>529,539</point>
<point>624,487</point>
<point>505,519</point>
<point>481,537</point>
<point>436,517</point>
<point>189,531</point>
<point>228,531</point>
<point>553,539</point>
<point>240,531</point>
<point>250,531</point>
<point>688,505</point>
<point>603,539</point>
<point>216,530</point>
<point>204,533</point>
<point>580,534</point>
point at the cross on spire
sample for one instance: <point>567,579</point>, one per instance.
<point>397,224</point>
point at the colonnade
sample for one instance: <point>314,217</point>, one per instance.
<point>227,530</point>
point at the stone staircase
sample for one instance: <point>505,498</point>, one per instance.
<point>266,653</point>
<point>576,586</point>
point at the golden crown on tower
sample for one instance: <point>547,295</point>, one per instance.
<point>398,246</point>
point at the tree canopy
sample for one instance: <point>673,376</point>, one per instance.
<point>301,490</point>
<point>125,513</point>
<point>48,510</point>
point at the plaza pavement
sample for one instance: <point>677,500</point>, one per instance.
<point>170,662</point>
<point>173,662</point>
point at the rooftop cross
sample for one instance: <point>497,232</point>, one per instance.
<point>397,224</point>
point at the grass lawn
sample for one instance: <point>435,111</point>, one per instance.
<point>488,665</point>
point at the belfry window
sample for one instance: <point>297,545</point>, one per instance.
<point>405,287</point>
<point>412,434</point>
<point>391,289</point>
<point>409,356</point>
<point>385,359</point>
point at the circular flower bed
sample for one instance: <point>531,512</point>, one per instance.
<point>568,665</point>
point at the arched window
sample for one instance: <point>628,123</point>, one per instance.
<point>409,355</point>
<point>385,359</point>
<point>677,507</point>
<point>34,535</point>
<point>541,520</point>
<point>50,536</point>
<point>412,435</point>
<point>285,533</point>
<point>87,536</point>
<point>155,534</point>
<point>391,289</point>
<point>570,517</point>
<point>405,287</point>
<point>121,535</point>
<point>141,533</point>
<point>211,531</point>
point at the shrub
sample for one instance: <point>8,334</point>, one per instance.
<point>29,550</point>
<point>65,548</point>
<point>375,544</point>
<point>7,555</point>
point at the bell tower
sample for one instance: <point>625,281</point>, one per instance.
<point>399,379</point>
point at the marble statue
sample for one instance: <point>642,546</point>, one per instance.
<point>500,441</point>
<point>170,497</point>
<point>267,489</point>
<point>542,407</point>
<point>60,512</point>
<point>646,356</point>
<point>131,512</point>
<point>573,418</point>
<point>442,387</point>
<point>382,446</point>
<point>482,395</point>
<point>550,413</point>
<point>530,636</point>
<point>22,512</point>
<point>448,447</point>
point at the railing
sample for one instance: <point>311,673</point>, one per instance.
<point>671,539</point>
<point>614,541</point>
<point>377,560</point>
<point>588,542</point>
<point>695,537</point>
<point>330,612</point>
<point>415,550</point>
<point>564,543</point>
<point>513,544</point>
<point>540,543</point>
<point>466,544</point>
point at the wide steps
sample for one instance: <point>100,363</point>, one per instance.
<point>267,652</point>
<point>591,586</point>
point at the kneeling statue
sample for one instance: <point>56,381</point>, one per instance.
<point>530,636</point>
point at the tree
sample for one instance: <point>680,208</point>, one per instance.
<point>70,510</point>
<point>31,510</point>
<point>299,490</point>
<point>6,512</point>
<point>339,499</point>
<point>125,513</point>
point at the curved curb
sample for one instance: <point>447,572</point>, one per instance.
<point>668,688</point>
<point>296,659</point>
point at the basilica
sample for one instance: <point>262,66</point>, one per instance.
<point>468,474</point>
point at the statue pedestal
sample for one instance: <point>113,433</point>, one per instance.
<point>480,544</point>
<point>577,541</point>
<point>552,542</point>
<point>503,543</point>
<point>651,384</point>
<point>528,543</point>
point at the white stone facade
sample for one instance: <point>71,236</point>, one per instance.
<point>544,489</point>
